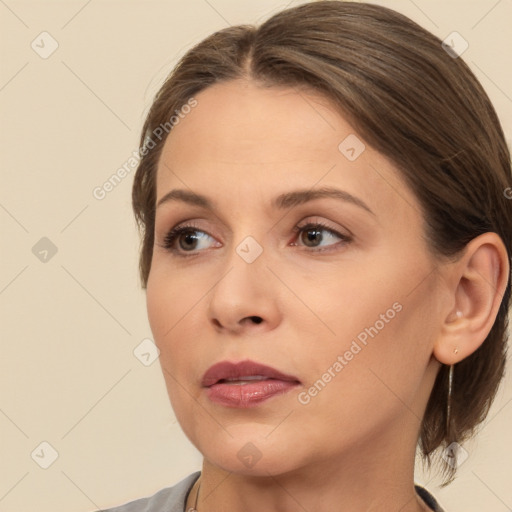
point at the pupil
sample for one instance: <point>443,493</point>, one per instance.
<point>313,234</point>
<point>190,237</point>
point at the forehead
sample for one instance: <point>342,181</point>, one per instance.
<point>249,143</point>
<point>234,116</point>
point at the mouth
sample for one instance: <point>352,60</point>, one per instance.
<point>246,383</point>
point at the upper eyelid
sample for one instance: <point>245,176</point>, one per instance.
<point>313,220</point>
<point>311,204</point>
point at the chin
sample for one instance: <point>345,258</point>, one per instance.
<point>250,450</point>
<point>250,461</point>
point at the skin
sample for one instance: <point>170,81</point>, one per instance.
<point>352,446</point>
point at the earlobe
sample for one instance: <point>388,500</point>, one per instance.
<point>480,278</point>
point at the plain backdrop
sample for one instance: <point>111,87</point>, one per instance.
<point>73,316</point>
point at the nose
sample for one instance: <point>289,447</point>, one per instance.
<point>244,323</point>
<point>245,299</point>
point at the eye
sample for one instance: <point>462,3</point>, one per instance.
<point>189,238</point>
<point>311,235</point>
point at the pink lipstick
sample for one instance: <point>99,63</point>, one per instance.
<point>246,383</point>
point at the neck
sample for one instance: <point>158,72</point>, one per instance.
<point>368,477</point>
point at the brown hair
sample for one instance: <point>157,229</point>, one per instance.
<point>412,101</point>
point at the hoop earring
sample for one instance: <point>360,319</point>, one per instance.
<point>449,402</point>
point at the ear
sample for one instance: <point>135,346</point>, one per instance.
<point>478,281</point>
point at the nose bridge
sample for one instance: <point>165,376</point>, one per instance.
<point>249,234</point>
<point>244,267</point>
<point>243,290</point>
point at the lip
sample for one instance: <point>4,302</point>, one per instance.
<point>250,393</point>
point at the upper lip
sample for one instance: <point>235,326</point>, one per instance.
<point>230,370</point>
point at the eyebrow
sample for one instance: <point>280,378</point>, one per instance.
<point>284,201</point>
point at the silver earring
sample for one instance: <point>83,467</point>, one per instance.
<point>449,404</point>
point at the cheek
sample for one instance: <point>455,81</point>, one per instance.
<point>170,297</point>
<point>174,304</point>
<point>167,305</point>
<point>377,329</point>
<point>386,360</point>
<point>358,388</point>
<point>342,304</point>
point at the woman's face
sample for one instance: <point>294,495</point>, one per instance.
<point>350,309</point>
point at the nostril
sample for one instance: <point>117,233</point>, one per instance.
<point>256,319</point>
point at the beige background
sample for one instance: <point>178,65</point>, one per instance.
<point>70,324</point>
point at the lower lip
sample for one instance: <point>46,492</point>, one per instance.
<point>248,394</point>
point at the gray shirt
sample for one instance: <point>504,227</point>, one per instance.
<point>173,499</point>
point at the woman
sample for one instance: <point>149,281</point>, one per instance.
<point>326,255</point>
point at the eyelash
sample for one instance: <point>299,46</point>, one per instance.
<point>175,233</point>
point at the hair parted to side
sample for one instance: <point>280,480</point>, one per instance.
<point>410,100</point>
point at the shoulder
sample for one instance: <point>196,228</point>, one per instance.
<point>169,499</point>
<point>428,498</point>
